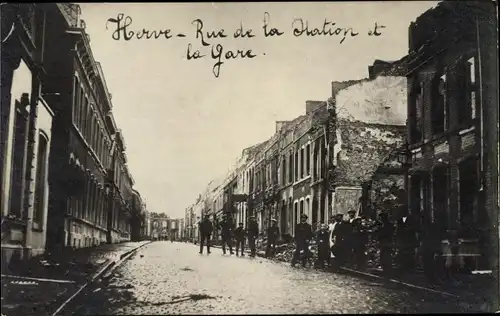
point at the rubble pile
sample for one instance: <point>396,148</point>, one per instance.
<point>284,252</point>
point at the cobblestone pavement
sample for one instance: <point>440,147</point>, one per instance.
<point>173,278</point>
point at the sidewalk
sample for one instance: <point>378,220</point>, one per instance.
<point>40,285</point>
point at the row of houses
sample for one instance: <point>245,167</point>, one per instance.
<point>421,132</point>
<point>64,173</point>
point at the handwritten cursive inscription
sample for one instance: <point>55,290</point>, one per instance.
<point>201,36</point>
<point>218,52</point>
<point>329,29</point>
<point>208,39</point>
<point>122,23</point>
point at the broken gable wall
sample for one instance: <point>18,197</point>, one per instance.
<point>371,124</point>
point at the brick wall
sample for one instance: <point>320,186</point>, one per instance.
<point>364,147</point>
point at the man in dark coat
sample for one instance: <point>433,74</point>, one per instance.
<point>406,240</point>
<point>322,240</point>
<point>385,233</point>
<point>349,236</point>
<point>252,233</point>
<point>239,235</point>
<point>338,236</point>
<point>303,235</point>
<point>273,234</point>
<point>205,228</point>
<point>360,240</point>
<point>226,227</point>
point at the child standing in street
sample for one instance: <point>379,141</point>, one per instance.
<point>322,240</point>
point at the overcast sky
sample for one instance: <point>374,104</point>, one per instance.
<point>183,126</point>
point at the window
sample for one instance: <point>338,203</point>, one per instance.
<point>438,106</point>
<point>263,174</point>
<point>315,161</point>
<point>416,109</point>
<point>83,110</point>
<point>467,109</point>
<point>290,168</point>
<point>296,168</point>
<point>440,196</point>
<point>302,162</point>
<point>90,139</point>
<point>283,171</point>
<point>88,120</point>
<point>88,191</point>
<point>308,159</point>
<point>296,215</point>
<point>301,207</point>
<point>94,135</point>
<point>76,103</point>
<point>41,180</point>
<point>322,155</point>
<point>101,146</point>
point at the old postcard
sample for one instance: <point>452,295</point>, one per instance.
<point>249,158</point>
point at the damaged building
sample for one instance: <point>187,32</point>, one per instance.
<point>453,126</point>
<point>370,126</point>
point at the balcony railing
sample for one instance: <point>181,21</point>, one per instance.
<point>71,13</point>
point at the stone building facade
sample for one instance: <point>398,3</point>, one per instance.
<point>121,192</point>
<point>60,144</point>
<point>81,152</point>
<point>26,135</point>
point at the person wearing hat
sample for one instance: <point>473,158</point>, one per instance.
<point>226,227</point>
<point>239,235</point>
<point>350,236</point>
<point>385,234</point>
<point>323,246</point>
<point>206,228</point>
<point>303,235</point>
<point>252,233</point>
<point>406,240</point>
<point>273,234</point>
<point>337,239</point>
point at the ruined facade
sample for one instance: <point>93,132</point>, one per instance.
<point>325,161</point>
<point>453,124</point>
<point>370,126</point>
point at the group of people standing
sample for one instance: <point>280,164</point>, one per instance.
<point>340,243</point>
<point>228,233</point>
<point>344,242</point>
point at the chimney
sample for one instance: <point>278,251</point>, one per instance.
<point>311,106</point>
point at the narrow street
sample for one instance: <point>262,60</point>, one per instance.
<point>173,278</point>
